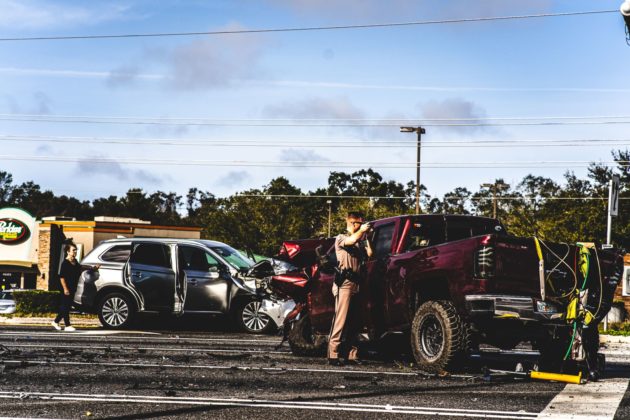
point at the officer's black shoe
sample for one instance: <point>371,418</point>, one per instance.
<point>593,375</point>
<point>335,362</point>
<point>356,362</point>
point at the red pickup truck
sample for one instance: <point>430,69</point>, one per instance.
<point>452,282</point>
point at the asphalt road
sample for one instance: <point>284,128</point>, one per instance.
<point>195,373</point>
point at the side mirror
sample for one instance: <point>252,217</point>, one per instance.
<point>214,272</point>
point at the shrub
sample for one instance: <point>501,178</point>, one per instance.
<point>617,328</point>
<point>35,301</point>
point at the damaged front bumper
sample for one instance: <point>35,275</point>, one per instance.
<point>277,310</point>
<point>513,307</point>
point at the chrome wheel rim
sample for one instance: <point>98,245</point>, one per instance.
<point>431,336</point>
<point>253,319</point>
<point>115,311</point>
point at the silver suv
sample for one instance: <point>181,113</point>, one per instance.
<point>169,276</point>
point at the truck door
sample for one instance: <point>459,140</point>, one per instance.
<point>322,300</point>
<point>150,272</point>
<point>208,281</point>
<point>374,305</point>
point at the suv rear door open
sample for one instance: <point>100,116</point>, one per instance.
<point>150,272</point>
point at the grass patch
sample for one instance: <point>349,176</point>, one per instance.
<point>619,328</point>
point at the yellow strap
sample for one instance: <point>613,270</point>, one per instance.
<point>538,249</point>
<point>588,317</point>
<point>572,309</point>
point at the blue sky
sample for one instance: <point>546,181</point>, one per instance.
<point>558,67</point>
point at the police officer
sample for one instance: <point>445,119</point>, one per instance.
<point>351,252</point>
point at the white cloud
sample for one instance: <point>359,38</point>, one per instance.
<point>37,14</point>
<point>204,63</point>
<point>409,10</point>
<point>301,155</point>
<point>334,108</point>
<point>87,167</point>
<point>460,110</point>
<point>39,104</point>
<point>234,179</point>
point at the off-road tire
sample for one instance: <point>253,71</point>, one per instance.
<point>248,319</point>
<point>116,311</point>
<point>440,340</point>
<point>302,340</point>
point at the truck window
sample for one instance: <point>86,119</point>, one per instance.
<point>152,254</point>
<point>486,227</point>
<point>457,229</point>
<point>422,235</point>
<point>382,241</point>
<point>466,227</point>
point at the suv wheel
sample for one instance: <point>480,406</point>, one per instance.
<point>250,319</point>
<point>439,338</point>
<point>116,311</point>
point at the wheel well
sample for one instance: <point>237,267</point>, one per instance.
<point>113,289</point>
<point>240,300</point>
<point>428,289</point>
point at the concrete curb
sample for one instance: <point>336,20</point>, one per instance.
<point>614,339</point>
<point>38,321</point>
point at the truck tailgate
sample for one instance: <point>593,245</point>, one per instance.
<point>517,267</point>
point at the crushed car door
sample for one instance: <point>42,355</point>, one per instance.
<point>208,280</point>
<point>150,272</point>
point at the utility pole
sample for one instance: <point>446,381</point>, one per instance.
<point>329,202</point>
<point>613,205</point>
<point>420,131</point>
<point>495,188</point>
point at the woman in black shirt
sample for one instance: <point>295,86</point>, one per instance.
<point>69,278</point>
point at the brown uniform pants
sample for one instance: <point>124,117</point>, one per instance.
<point>345,325</point>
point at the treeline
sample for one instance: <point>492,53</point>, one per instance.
<point>259,219</point>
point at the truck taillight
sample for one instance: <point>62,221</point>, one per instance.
<point>291,249</point>
<point>484,262</point>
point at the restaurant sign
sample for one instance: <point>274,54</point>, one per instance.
<point>17,231</point>
<point>13,231</point>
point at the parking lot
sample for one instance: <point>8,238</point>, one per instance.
<point>194,370</point>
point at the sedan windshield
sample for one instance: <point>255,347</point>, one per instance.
<point>234,258</point>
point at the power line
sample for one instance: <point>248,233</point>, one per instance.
<point>314,164</point>
<point>361,197</point>
<point>339,143</point>
<point>303,124</point>
<point>244,120</point>
<point>311,28</point>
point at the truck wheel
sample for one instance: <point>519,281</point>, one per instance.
<point>116,311</point>
<point>249,318</point>
<point>439,338</point>
<point>302,340</point>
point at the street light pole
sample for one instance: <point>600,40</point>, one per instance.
<point>329,202</point>
<point>420,131</point>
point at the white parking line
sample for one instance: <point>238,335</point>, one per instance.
<point>237,402</point>
<point>120,334</point>
<point>117,347</point>
<point>593,401</point>
<point>214,367</point>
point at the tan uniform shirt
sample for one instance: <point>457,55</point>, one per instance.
<point>348,257</point>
